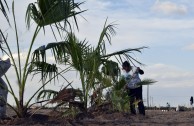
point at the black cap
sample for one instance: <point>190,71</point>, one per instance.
<point>126,64</point>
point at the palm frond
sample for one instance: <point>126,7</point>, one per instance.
<point>146,82</point>
<point>47,94</point>
<point>33,13</point>
<point>64,51</point>
<point>129,50</point>
<point>3,10</point>
<point>119,55</point>
<point>46,69</point>
<point>52,12</point>
<point>106,34</point>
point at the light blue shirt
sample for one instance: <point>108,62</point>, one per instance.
<point>132,78</point>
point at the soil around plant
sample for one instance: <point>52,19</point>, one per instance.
<point>103,118</point>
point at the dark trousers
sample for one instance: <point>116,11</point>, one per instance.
<point>135,96</point>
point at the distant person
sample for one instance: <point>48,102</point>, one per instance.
<point>134,90</point>
<point>168,106</point>
<point>191,101</point>
<point>178,108</point>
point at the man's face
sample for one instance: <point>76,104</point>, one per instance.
<point>126,68</point>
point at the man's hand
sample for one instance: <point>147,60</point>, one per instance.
<point>140,71</point>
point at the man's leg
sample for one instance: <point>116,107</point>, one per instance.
<point>132,105</point>
<point>131,95</point>
<point>141,106</point>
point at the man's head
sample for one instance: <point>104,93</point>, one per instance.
<point>126,66</point>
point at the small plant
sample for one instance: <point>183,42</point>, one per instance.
<point>118,94</point>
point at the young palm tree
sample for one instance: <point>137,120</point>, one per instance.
<point>118,95</point>
<point>49,12</point>
<point>88,60</point>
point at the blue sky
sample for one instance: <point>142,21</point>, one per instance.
<point>165,26</point>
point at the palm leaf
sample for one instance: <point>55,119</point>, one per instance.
<point>146,82</point>
<point>44,68</point>
<point>124,54</point>
<point>3,10</point>
<point>58,49</point>
<point>52,12</point>
<point>107,32</point>
<point>71,51</point>
<point>47,94</point>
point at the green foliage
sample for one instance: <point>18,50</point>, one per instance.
<point>118,94</point>
<point>47,12</point>
<point>119,85</point>
<point>119,100</point>
<point>111,68</point>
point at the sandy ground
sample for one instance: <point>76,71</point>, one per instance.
<point>152,118</point>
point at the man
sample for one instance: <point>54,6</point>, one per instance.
<point>134,90</point>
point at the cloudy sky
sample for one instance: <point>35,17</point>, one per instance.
<point>165,26</point>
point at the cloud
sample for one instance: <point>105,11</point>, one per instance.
<point>137,32</point>
<point>131,31</point>
<point>98,4</point>
<point>169,8</point>
<point>169,76</point>
<point>189,47</point>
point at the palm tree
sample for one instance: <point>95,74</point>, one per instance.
<point>49,12</point>
<point>88,60</point>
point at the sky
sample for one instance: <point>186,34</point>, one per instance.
<point>165,26</point>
